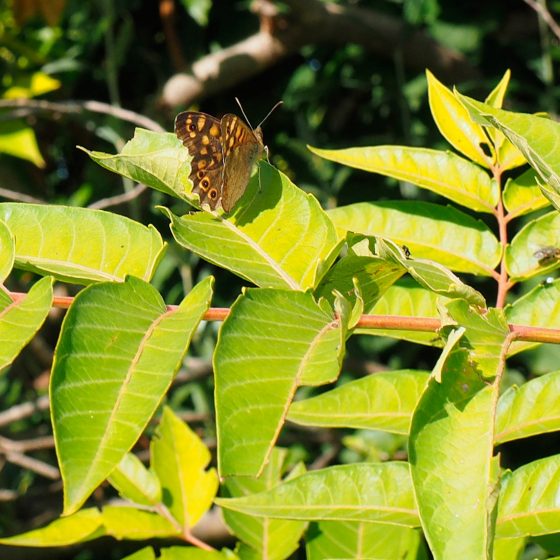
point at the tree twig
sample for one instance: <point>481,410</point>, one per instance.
<point>77,107</point>
<point>119,198</point>
<point>546,16</point>
<point>24,410</point>
<point>19,197</point>
<point>309,23</point>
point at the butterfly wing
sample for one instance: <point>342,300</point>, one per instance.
<point>242,148</point>
<point>202,136</point>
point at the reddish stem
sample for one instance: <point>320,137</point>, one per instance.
<point>503,280</point>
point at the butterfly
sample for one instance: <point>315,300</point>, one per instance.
<point>223,154</point>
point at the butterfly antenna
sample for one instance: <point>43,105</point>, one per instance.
<point>270,112</point>
<point>242,111</point>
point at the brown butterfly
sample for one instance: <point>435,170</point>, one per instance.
<point>223,154</point>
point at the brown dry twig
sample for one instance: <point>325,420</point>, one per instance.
<point>541,9</point>
<point>308,23</point>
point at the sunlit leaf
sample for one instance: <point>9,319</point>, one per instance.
<point>536,137</point>
<point>430,274</point>
<point>146,553</point>
<point>450,450</point>
<point>540,307</point>
<point>430,231</point>
<point>194,553</point>
<point>7,251</point>
<point>374,276</point>
<point>84,525</point>
<point>352,539</point>
<point>116,356</point>
<point>485,333</point>
<point>18,139</point>
<point>380,401</point>
<point>80,245</point>
<point>523,195</point>
<point>156,159</point>
<point>263,537</point>
<point>444,173</point>
<point>407,298</point>
<point>20,321</point>
<point>279,237</point>
<point>533,408</point>
<point>456,125</point>
<point>528,502</point>
<point>522,255</point>
<point>372,492</point>
<point>123,522</point>
<point>508,156</point>
<point>135,482</point>
<point>32,85</point>
<point>180,458</point>
<point>272,342</point>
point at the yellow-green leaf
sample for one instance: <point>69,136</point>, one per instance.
<point>441,172</point>
<point>180,458</point>
<point>456,125</point>
<point>17,139</point>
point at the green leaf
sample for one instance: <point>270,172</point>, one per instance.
<point>441,172</point>
<point>156,159</point>
<point>7,252</point>
<point>540,307</point>
<point>430,275</point>
<point>430,231</point>
<point>198,10</point>
<point>485,332</point>
<point>349,539</point>
<point>19,322</point>
<point>522,256</point>
<point>528,503</point>
<point>192,553</point>
<point>374,276</point>
<point>450,450</point>
<point>456,125</point>
<point>274,539</point>
<point>146,553</point>
<point>533,408</point>
<point>80,245</point>
<point>115,359</point>
<point>406,298</point>
<point>272,342</point>
<point>508,549</point>
<point>31,85</point>
<point>507,155</point>
<point>281,238</point>
<point>135,482</point>
<point>123,522</point>
<point>535,137</point>
<point>18,140</point>
<point>82,526</point>
<point>523,195</point>
<point>497,95</point>
<point>367,492</point>
<point>179,458</point>
<point>381,401</point>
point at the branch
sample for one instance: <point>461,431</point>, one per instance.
<point>309,23</point>
<point>541,9</point>
<point>78,107</point>
<point>389,322</point>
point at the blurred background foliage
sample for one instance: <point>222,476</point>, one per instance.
<point>336,94</point>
